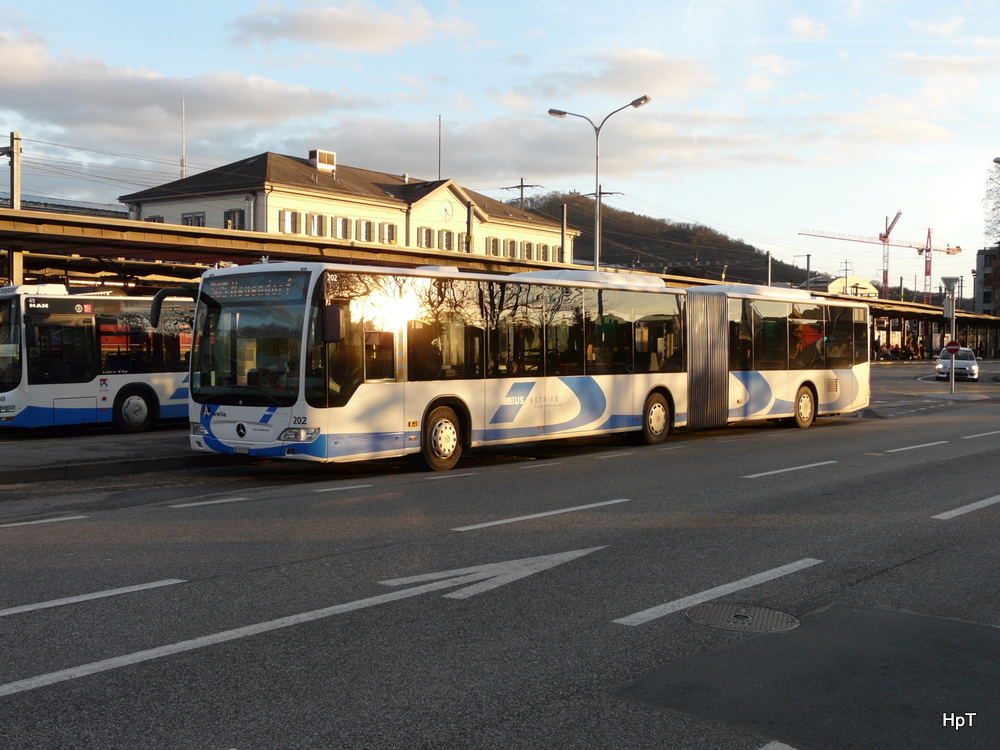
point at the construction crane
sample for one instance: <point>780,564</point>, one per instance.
<point>927,249</point>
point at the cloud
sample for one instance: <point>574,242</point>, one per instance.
<point>139,109</point>
<point>771,64</point>
<point>948,80</point>
<point>886,121</point>
<point>624,74</point>
<point>928,66</point>
<point>351,25</point>
<point>769,69</point>
<point>806,28</point>
<point>946,28</point>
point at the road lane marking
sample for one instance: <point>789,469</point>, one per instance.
<point>981,434</point>
<point>539,515</point>
<point>210,502</point>
<point>450,475</point>
<point>543,463</point>
<point>914,447</point>
<point>793,468</point>
<point>88,597</point>
<point>344,489</point>
<point>967,508</point>
<point>474,580</point>
<point>689,601</point>
<point>44,520</point>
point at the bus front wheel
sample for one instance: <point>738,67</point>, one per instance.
<point>441,444</point>
<point>805,407</point>
<point>655,419</point>
<point>135,410</point>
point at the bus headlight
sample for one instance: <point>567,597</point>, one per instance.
<point>299,434</point>
<point>7,409</point>
<point>197,428</point>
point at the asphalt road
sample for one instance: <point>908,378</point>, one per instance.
<point>737,589</point>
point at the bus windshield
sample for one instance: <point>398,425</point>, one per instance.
<point>248,334</point>
<point>10,345</point>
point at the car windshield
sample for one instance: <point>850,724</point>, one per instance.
<point>966,354</point>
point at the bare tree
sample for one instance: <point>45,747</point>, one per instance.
<point>991,205</point>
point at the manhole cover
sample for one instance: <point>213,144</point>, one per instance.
<point>743,617</point>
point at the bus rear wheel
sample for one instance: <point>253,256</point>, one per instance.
<point>655,419</point>
<point>805,407</point>
<point>134,411</point>
<point>441,443</point>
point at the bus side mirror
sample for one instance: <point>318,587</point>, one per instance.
<point>333,324</point>
<point>158,298</point>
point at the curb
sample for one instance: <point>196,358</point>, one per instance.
<point>104,468</point>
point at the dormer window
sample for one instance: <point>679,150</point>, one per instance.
<point>324,161</point>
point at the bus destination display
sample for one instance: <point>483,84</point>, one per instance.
<point>258,286</point>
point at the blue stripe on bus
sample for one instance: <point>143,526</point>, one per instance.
<point>759,393</point>
<point>592,400</point>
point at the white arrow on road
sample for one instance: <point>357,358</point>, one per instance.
<point>492,575</point>
<point>485,577</point>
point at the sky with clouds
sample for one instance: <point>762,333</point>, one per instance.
<point>767,117</point>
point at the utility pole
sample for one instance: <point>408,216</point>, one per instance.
<point>521,187</point>
<point>808,258</point>
<point>14,152</point>
<point>184,158</point>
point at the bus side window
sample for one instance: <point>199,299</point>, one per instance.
<point>564,341</point>
<point>423,351</point>
<point>380,355</point>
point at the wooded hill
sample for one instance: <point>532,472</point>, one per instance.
<point>631,240</point>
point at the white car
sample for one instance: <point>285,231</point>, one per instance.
<point>966,365</point>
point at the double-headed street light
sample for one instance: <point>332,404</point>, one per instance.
<point>597,168</point>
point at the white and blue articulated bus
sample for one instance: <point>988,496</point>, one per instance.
<point>324,362</point>
<point>72,359</point>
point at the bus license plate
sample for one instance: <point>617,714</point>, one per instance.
<point>243,449</point>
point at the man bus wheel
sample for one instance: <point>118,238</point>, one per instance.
<point>441,442</point>
<point>135,410</point>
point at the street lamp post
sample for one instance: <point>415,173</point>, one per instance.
<point>948,308</point>
<point>597,168</point>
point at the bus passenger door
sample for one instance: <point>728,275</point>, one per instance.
<point>381,411</point>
